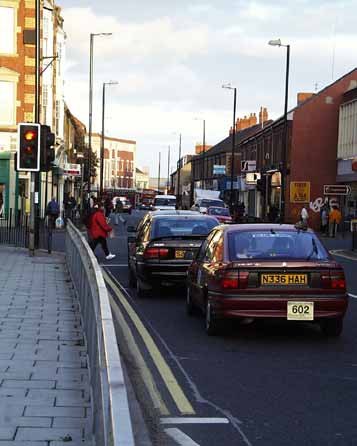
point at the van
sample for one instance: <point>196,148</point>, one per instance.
<point>164,202</point>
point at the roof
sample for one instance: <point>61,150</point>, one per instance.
<point>110,138</point>
<point>264,227</point>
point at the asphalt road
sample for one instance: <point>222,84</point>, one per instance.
<point>261,384</point>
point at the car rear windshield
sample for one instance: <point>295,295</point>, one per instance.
<point>165,202</point>
<point>209,203</point>
<point>273,244</point>
<point>219,211</point>
<point>183,226</point>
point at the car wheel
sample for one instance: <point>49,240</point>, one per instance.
<point>140,291</point>
<point>212,325</point>
<point>332,327</point>
<point>190,307</point>
<point>132,278</point>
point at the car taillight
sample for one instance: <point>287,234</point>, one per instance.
<point>155,253</point>
<point>333,280</point>
<point>235,280</point>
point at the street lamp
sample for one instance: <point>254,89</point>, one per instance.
<point>277,42</point>
<point>80,159</point>
<point>229,87</point>
<point>102,137</point>
<point>92,35</point>
<point>203,147</point>
<point>179,176</point>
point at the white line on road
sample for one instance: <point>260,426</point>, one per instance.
<point>181,438</point>
<point>192,420</point>
<point>354,296</point>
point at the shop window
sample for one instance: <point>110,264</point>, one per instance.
<point>7,30</point>
<point>2,199</point>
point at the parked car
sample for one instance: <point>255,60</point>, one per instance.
<point>164,202</point>
<point>163,247</point>
<point>202,204</point>
<point>222,214</point>
<point>267,271</point>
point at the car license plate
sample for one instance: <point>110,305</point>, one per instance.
<point>284,279</point>
<point>300,311</point>
<point>179,254</point>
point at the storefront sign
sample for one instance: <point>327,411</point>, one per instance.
<point>300,192</point>
<point>219,170</point>
<point>252,177</point>
<point>337,189</point>
<point>72,169</point>
<point>248,166</point>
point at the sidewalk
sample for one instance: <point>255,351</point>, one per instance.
<point>341,245</point>
<point>44,390</point>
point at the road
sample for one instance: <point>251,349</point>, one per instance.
<point>260,384</point>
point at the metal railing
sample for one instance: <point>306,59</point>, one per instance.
<point>111,418</point>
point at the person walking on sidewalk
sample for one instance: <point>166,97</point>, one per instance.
<point>52,212</point>
<point>335,218</point>
<point>304,215</point>
<point>118,209</point>
<point>99,230</point>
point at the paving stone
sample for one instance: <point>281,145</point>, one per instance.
<point>11,421</point>
<point>46,411</point>
<point>47,434</point>
<point>7,433</point>
<point>27,384</point>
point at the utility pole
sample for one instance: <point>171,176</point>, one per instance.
<point>102,144</point>
<point>179,176</point>
<point>158,177</point>
<point>168,169</point>
<point>233,147</point>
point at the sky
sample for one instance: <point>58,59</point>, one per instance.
<point>170,59</point>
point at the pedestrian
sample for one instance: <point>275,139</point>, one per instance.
<point>304,215</point>
<point>108,205</point>
<point>52,212</point>
<point>118,208</point>
<point>92,201</point>
<point>324,219</point>
<point>273,214</point>
<point>335,218</point>
<point>99,230</point>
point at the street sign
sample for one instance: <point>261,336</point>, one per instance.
<point>300,192</point>
<point>219,170</point>
<point>337,189</point>
<point>252,177</point>
<point>72,169</point>
<point>248,166</point>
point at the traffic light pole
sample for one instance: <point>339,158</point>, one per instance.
<point>35,176</point>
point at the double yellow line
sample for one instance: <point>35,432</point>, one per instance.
<point>181,401</point>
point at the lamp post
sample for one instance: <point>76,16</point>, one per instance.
<point>168,169</point>
<point>80,159</point>
<point>282,169</point>
<point>102,136</point>
<point>92,35</point>
<point>179,176</point>
<point>203,148</point>
<point>229,87</point>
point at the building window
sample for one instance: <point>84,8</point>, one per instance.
<point>7,30</point>
<point>57,116</point>
<point>7,101</point>
<point>113,153</point>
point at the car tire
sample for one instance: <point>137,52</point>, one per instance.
<point>140,291</point>
<point>332,327</point>
<point>132,278</point>
<point>211,323</point>
<point>190,307</point>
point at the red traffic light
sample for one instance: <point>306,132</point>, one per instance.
<point>30,135</point>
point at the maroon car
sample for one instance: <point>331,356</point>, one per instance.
<point>222,214</point>
<point>266,271</point>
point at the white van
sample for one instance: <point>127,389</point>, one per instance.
<point>164,203</point>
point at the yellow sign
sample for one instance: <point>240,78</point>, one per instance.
<point>300,192</point>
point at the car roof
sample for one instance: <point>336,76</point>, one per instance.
<point>174,212</point>
<point>166,196</point>
<point>264,227</point>
<point>178,214</point>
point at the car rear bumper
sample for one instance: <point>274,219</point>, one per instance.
<point>276,307</point>
<point>155,274</point>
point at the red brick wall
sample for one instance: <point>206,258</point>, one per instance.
<point>314,144</point>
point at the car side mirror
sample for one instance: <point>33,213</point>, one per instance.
<point>131,229</point>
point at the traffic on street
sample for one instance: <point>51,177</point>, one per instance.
<point>260,380</point>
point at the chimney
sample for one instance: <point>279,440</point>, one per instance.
<point>263,115</point>
<point>302,97</point>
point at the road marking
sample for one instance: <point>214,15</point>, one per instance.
<point>354,296</point>
<point>340,253</point>
<point>114,264</point>
<point>181,438</point>
<point>191,420</point>
<point>180,399</point>
<point>140,362</point>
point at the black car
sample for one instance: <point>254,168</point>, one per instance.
<point>164,246</point>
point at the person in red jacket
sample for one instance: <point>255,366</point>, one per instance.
<point>99,230</point>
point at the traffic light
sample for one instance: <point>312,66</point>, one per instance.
<point>47,148</point>
<point>28,148</point>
